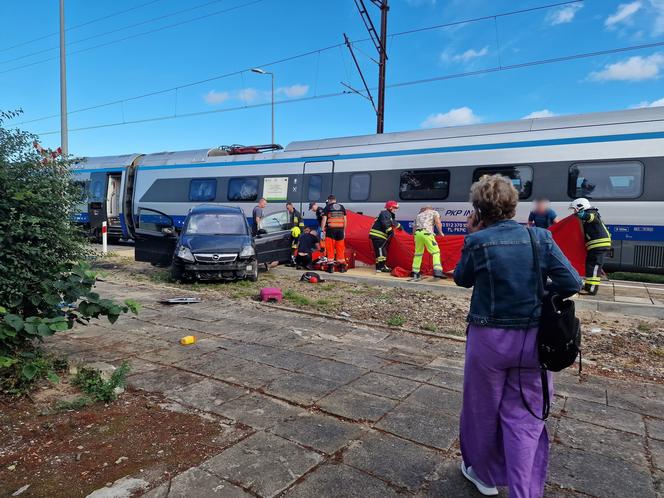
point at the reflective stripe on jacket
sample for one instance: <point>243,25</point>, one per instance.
<point>384,225</point>
<point>335,216</point>
<point>596,234</point>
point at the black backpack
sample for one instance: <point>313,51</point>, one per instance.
<point>306,277</point>
<point>558,335</point>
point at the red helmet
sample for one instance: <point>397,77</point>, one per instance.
<point>391,204</point>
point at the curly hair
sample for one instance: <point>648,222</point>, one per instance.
<point>495,198</point>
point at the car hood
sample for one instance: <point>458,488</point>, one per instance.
<point>215,243</point>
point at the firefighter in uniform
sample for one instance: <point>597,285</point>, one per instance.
<point>296,224</point>
<point>598,242</point>
<point>318,211</point>
<point>334,232</point>
<point>381,233</point>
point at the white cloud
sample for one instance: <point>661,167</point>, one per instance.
<point>563,15</point>
<point>635,68</point>
<point>454,117</point>
<point>247,95</point>
<point>294,91</point>
<point>654,103</point>
<point>658,6</point>
<point>470,54</point>
<point>623,14</point>
<point>544,113</point>
<point>214,98</point>
<point>419,3</point>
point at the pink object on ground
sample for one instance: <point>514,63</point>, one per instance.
<point>270,294</point>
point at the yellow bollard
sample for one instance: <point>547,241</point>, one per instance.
<point>188,340</point>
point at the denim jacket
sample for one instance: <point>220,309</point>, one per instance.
<point>498,263</point>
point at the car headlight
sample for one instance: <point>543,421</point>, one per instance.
<point>247,251</point>
<point>185,253</point>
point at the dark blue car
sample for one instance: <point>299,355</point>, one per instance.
<point>215,243</point>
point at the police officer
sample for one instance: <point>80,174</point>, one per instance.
<point>296,224</point>
<point>598,242</point>
<point>334,226</point>
<point>381,233</point>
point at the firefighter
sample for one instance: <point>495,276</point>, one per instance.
<point>598,242</point>
<point>334,226</point>
<point>381,233</point>
<point>318,211</point>
<point>296,224</point>
<point>425,238</point>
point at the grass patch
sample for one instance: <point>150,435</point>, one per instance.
<point>396,321</point>
<point>430,327</point>
<point>75,404</point>
<point>297,298</point>
<point>456,332</point>
<point>90,381</point>
<point>644,327</point>
<point>649,278</point>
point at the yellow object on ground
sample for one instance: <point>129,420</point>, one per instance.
<point>425,239</point>
<point>187,340</point>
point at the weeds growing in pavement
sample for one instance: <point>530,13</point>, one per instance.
<point>430,327</point>
<point>75,404</point>
<point>90,381</point>
<point>296,298</point>
<point>644,327</point>
<point>396,321</point>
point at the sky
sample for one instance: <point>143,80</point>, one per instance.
<point>195,58</point>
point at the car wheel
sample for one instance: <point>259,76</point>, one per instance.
<point>177,273</point>
<point>253,276</point>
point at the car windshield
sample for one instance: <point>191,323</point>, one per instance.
<point>216,224</point>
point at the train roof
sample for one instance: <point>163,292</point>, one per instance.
<point>519,126</point>
<point>105,162</point>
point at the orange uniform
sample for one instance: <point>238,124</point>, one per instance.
<point>335,232</point>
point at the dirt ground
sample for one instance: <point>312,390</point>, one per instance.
<point>66,453</point>
<point>615,344</point>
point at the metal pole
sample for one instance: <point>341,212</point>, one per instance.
<point>380,115</point>
<point>64,138</point>
<point>272,74</point>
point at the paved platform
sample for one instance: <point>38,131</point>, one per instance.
<point>335,409</point>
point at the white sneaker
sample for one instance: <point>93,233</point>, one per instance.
<point>469,474</point>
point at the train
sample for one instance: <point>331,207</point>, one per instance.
<point>616,159</point>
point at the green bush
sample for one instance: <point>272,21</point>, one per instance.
<point>91,382</point>
<point>45,284</point>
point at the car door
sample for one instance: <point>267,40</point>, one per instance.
<point>156,237</point>
<point>273,242</point>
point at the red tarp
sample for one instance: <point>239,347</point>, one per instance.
<point>567,234</point>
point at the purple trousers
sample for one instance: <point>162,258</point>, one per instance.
<point>500,439</point>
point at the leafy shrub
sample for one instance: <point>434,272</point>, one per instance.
<point>91,382</point>
<point>396,321</point>
<point>45,285</point>
<point>26,368</point>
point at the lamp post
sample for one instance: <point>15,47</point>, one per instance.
<point>263,71</point>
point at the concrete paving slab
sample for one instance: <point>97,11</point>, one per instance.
<point>420,424</point>
<point>657,451</point>
<point>605,416</point>
<point>449,481</point>
<point>405,464</point>
<point>655,428</point>
<point>612,443</point>
<point>162,379</point>
<point>332,370</point>
<point>205,395</point>
<point>451,378</point>
<point>384,385</point>
<point>634,402</point>
<point>264,463</point>
<point>412,372</point>
<point>300,389</point>
<point>258,411</point>
<point>356,405</point>
<point>436,399</point>
<point>601,475</point>
<point>320,432</point>
<point>633,300</point>
<point>340,481</point>
<point>197,483</point>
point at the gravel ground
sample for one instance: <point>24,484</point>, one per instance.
<point>615,344</point>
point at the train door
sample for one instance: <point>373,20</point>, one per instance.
<point>318,183</point>
<point>96,202</point>
<point>114,204</point>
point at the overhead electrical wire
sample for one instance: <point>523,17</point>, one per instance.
<point>116,30</point>
<point>297,56</point>
<point>136,35</point>
<point>76,26</point>
<point>393,85</point>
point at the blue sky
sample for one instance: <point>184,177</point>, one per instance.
<point>228,36</point>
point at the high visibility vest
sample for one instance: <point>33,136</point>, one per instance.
<point>335,216</point>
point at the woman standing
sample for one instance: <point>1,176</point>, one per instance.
<point>502,444</point>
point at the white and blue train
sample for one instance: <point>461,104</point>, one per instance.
<point>616,159</point>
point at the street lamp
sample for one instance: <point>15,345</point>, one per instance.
<point>263,71</point>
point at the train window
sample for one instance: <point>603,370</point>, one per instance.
<point>202,190</point>
<point>243,189</point>
<point>315,188</point>
<point>521,177</point>
<point>424,185</point>
<point>96,191</point>
<point>606,180</point>
<point>360,186</point>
